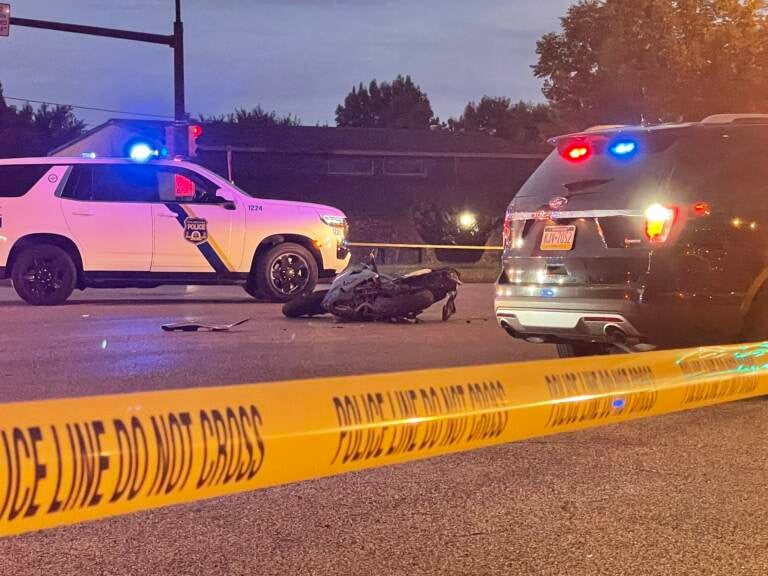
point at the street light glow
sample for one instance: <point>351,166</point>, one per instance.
<point>467,220</point>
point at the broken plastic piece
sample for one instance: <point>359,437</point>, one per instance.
<point>194,326</point>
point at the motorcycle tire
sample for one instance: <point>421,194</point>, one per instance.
<point>406,305</point>
<point>309,305</point>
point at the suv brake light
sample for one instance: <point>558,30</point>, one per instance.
<point>577,152</point>
<point>658,222</point>
<point>513,229</point>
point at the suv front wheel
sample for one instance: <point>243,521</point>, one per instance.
<point>44,275</point>
<point>283,272</point>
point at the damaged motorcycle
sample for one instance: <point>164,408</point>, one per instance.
<point>362,293</point>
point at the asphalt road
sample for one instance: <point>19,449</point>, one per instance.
<point>108,341</point>
<point>681,494</point>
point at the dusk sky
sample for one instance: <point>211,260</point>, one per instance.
<point>292,56</point>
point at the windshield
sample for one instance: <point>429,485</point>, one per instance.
<point>222,182</point>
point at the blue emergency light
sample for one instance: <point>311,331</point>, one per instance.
<point>623,148</point>
<point>141,152</point>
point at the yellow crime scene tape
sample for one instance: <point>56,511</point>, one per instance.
<point>424,246</point>
<point>70,460</point>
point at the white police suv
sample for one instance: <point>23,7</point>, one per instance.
<point>69,223</point>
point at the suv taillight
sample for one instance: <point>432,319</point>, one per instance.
<point>658,222</point>
<point>513,231</point>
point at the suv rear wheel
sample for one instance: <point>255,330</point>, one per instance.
<point>283,272</point>
<point>756,322</point>
<point>44,275</point>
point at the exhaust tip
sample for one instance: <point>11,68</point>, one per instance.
<point>615,334</point>
<point>508,328</point>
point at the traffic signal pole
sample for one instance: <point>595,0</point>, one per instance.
<point>180,132</point>
<point>174,41</point>
<point>178,66</point>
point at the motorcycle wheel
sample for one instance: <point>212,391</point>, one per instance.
<point>309,305</point>
<point>404,306</point>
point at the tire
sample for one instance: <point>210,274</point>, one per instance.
<point>402,306</point>
<point>579,349</point>
<point>308,305</point>
<point>44,275</point>
<point>251,288</point>
<point>756,323</point>
<point>284,272</point>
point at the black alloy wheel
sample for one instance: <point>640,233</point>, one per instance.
<point>284,272</point>
<point>289,274</point>
<point>44,275</point>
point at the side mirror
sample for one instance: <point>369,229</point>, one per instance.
<point>229,205</point>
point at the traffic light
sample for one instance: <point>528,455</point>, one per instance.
<point>194,132</point>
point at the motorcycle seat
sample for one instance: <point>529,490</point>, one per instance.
<point>417,273</point>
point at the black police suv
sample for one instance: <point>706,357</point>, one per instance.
<point>640,237</point>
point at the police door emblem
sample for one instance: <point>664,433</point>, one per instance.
<point>196,230</point>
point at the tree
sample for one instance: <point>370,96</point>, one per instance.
<point>440,224</point>
<point>626,61</point>
<point>399,104</point>
<point>27,131</point>
<point>255,118</point>
<point>520,122</point>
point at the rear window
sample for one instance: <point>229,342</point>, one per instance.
<point>695,163</point>
<point>16,180</point>
<point>604,173</point>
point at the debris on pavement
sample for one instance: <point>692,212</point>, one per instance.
<point>194,326</point>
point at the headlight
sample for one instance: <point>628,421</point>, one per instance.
<point>339,226</point>
<point>334,221</point>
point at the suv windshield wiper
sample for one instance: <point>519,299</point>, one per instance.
<point>580,185</point>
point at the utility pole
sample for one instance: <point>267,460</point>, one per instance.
<point>174,41</point>
<point>180,132</point>
<point>180,113</point>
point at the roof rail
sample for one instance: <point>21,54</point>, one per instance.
<point>736,119</point>
<point>601,127</point>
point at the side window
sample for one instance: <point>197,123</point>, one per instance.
<point>112,183</point>
<point>16,180</point>
<point>726,168</point>
<point>180,185</point>
<point>78,184</point>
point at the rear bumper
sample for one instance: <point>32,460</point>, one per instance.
<point>551,324</point>
<point>608,314</point>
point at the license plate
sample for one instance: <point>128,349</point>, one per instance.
<point>558,237</point>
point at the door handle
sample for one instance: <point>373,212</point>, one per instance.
<point>167,216</point>
<point>83,214</point>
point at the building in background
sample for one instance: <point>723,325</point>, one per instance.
<point>378,177</point>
